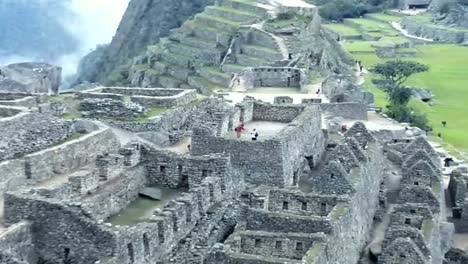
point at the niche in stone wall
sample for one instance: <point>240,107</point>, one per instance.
<point>258,242</point>
<point>131,253</point>
<point>66,256</point>
<point>299,246</point>
<point>285,206</point>
<point>278,245</point>
<point>146,245</point>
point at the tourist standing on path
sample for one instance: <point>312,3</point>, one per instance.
<point>239,129</point>
<point>254,135</point>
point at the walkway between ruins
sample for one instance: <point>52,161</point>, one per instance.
<point>403,31</point>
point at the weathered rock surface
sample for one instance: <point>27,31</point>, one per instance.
<point>144,22</point>
<point>110,108</point>
<point>30,77</point>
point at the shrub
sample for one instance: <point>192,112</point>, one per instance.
<point>444,8</point>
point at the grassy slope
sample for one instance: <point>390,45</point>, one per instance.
<point>447,78</point>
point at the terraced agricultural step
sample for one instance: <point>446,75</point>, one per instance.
<point>250,258</point>
<point>208,33</point>
<point>208,55</point>
<point>250,61</point>
<point>203,85</point>
<point>179,72</point>
<point>233,68</point>
<point>231,13</point>
<point>243,5</point>
<point>216,76</point>
<point>258,51</point>
<point>183,61</point>
<point>219,23</point>
<point>169,81</point>
<point>199,43</point>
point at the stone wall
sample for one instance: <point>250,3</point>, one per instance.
<point>70,156</point>
<point>19,99</point>
<point>110,108</point>
<point>273,77</point>
<point>182,171</point>
<point>274,161</point>
<point>269,112</point>
<point>116,194</point>
<point>357,111</point>
<point>435,32</point>
<point>31,131</point>
<point>147,97</point>
<point>60,230</point>
<point>353,222</point>
<point>17,242</point>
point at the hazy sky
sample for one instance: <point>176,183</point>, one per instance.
<point>92,22</point>
<point>96,24</point>
<point>98,20</point>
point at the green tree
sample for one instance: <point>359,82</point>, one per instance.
<point>397,72</point>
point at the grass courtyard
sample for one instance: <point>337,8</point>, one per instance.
<point>447,78</point>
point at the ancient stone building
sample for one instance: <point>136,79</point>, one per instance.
<point>121,175</point>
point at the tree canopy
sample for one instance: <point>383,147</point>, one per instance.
<point>397,72</point>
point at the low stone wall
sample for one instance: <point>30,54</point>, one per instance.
<point>17,243</point>
<point>275,113</point>
<point>182,171</point>
<point>8,112</point>
<point>27,132</point>
<point>110,108</point>
<point>147,97</point>
<point>63,230</point>
<point>23,100</point>
<point>70,156</point>
<point>357,111</point>
<point>12,175</point>
<point>432,31</point>
<point>108,200</point>
<point>273,77</point>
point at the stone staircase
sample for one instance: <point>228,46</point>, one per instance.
<point>191,56</point>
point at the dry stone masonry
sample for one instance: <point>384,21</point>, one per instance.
<point>126,175</point>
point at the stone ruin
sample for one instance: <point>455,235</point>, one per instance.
<point>85,179</point>
<point>82,192</point>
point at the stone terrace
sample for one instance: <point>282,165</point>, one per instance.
<point>147,97</point>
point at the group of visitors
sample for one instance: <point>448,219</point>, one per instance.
<point>241,128</point>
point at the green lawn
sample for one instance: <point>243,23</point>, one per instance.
<point>448,80</point>
<point>343,30</point>
<point>447,77</point>
<point>384,17</point>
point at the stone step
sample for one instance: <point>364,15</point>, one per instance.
<point>199,43</point>
<point>250,61</point>
<point>233,68</point>
<point>208,55</point>
<point>235,257</point>
<point>216,76</point>
<point>243,5</point>
<point>208,33</point>
<point>231,13</point>
<point>220,23</point>
<point>203,85</point>
<point>169,81</point>
<point>261,52</point>
<point>178,72</point>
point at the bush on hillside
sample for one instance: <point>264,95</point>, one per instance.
<point>341,9</point>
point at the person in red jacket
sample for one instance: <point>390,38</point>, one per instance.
<point>239,129</point>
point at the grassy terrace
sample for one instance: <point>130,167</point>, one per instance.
<point>446,78</point>
<point>343,30</point>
